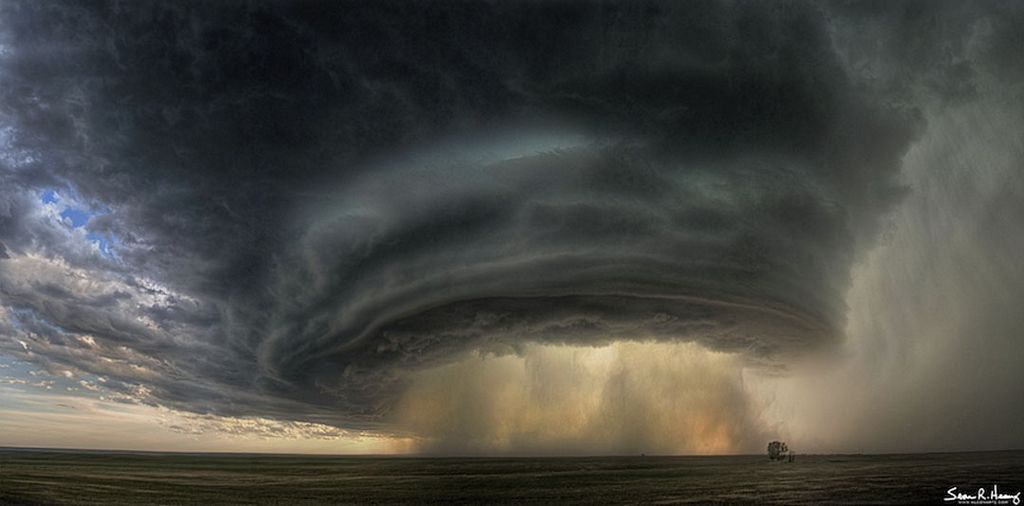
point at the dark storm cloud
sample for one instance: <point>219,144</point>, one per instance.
<point>306,201</point>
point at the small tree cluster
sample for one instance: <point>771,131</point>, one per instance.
<point>777,450</point>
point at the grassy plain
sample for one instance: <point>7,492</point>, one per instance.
<point>36,477</point>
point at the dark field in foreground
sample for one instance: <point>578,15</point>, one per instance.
<point>59,477</point>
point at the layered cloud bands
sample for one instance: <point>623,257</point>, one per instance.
<point>291,211</point>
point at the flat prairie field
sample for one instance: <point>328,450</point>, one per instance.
<point>36,477</point>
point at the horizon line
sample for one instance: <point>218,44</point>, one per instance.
<point>44,449</point>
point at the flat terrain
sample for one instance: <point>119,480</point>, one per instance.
<point>65,477</point>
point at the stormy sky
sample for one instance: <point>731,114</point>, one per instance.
<point>483,227</point>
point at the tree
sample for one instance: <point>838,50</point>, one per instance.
<point>777,450</point>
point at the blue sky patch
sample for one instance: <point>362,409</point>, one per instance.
<point>104,242</point>
<point>77,217</point>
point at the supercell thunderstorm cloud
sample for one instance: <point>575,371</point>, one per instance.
<point>467,223</point>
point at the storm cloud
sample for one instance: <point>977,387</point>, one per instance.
<point>292,210</point>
